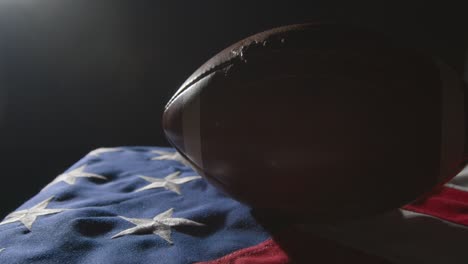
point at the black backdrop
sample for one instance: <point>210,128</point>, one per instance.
<point>80,74</point>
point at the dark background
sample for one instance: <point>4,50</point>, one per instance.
<point>81,74</point>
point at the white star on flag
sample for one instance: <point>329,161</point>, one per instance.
<point>171,182</point>
<point>1,249</point>
<point>160,225</point>
<point>99,151</point>
<point>28,216</point>
<point>166,155</point>
<point>71,176</point>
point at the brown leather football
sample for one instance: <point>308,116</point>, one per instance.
<point>323,121</point>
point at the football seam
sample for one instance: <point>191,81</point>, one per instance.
<point>214,69</point>
<point>239,54</point>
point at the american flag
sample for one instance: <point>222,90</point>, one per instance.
<point>146,205</point>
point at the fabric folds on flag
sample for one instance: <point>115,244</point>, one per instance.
<point>145,205</point>
<point>121,205</point>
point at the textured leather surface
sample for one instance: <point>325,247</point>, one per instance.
<point>319,120</point>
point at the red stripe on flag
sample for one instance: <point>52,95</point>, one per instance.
<point>297,246</point>
<point>266,252</point>
<point>447,204</point>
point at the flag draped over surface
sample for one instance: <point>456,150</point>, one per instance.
<point>145,205</point>
<point>122,205</point>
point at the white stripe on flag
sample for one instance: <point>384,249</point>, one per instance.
<point>403,237</point>
<point>460,182</point>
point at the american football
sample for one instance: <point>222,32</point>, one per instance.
<point>309,119</point>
